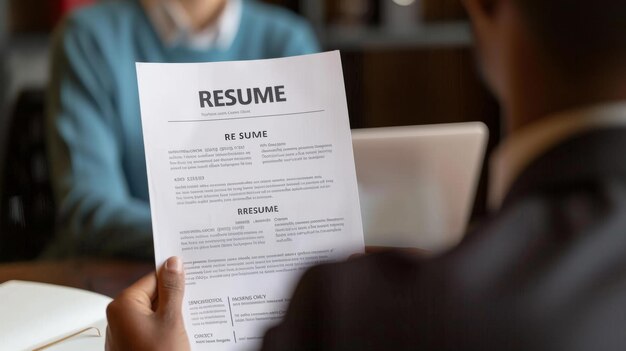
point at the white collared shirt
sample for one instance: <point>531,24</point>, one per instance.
<point>524,146</point>
<point>173,26</point>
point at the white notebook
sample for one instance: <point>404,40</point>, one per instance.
<point>34,314</point>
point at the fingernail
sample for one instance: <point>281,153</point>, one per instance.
<point>174,265</point>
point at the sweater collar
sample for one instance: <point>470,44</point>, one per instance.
<point>172,25</point>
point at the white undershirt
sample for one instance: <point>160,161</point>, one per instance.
<point>524,146</point>
<point>172,24</point>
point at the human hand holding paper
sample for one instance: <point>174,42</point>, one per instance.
<point>147,315</point>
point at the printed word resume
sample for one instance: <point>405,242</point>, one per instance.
<point>252,181</point>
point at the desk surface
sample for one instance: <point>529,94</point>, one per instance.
<point>107,277</point>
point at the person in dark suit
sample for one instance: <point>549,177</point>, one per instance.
<point>546,271</point>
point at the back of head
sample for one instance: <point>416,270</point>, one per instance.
<point>579,36</point>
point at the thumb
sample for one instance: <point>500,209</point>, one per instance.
<point>171,285</point>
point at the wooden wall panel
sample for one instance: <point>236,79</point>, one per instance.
<point>441,10</point>
<point>421,87</point>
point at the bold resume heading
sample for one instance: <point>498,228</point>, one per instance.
<point>232,97</point>
<point>257,210</point>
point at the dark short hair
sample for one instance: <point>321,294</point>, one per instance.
<point>578,33</point>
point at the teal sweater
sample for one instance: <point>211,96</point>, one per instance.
<point>95,141</point>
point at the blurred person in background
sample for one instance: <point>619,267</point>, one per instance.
<point>546,272</point>
<point>96,144</point>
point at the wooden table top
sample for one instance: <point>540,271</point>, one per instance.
<point>107,277</point>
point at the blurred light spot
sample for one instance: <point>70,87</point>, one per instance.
<point>404,2</point>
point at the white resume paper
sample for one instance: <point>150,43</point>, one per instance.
<point>252,181</point>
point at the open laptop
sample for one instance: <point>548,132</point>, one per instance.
<point>417,184</point>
